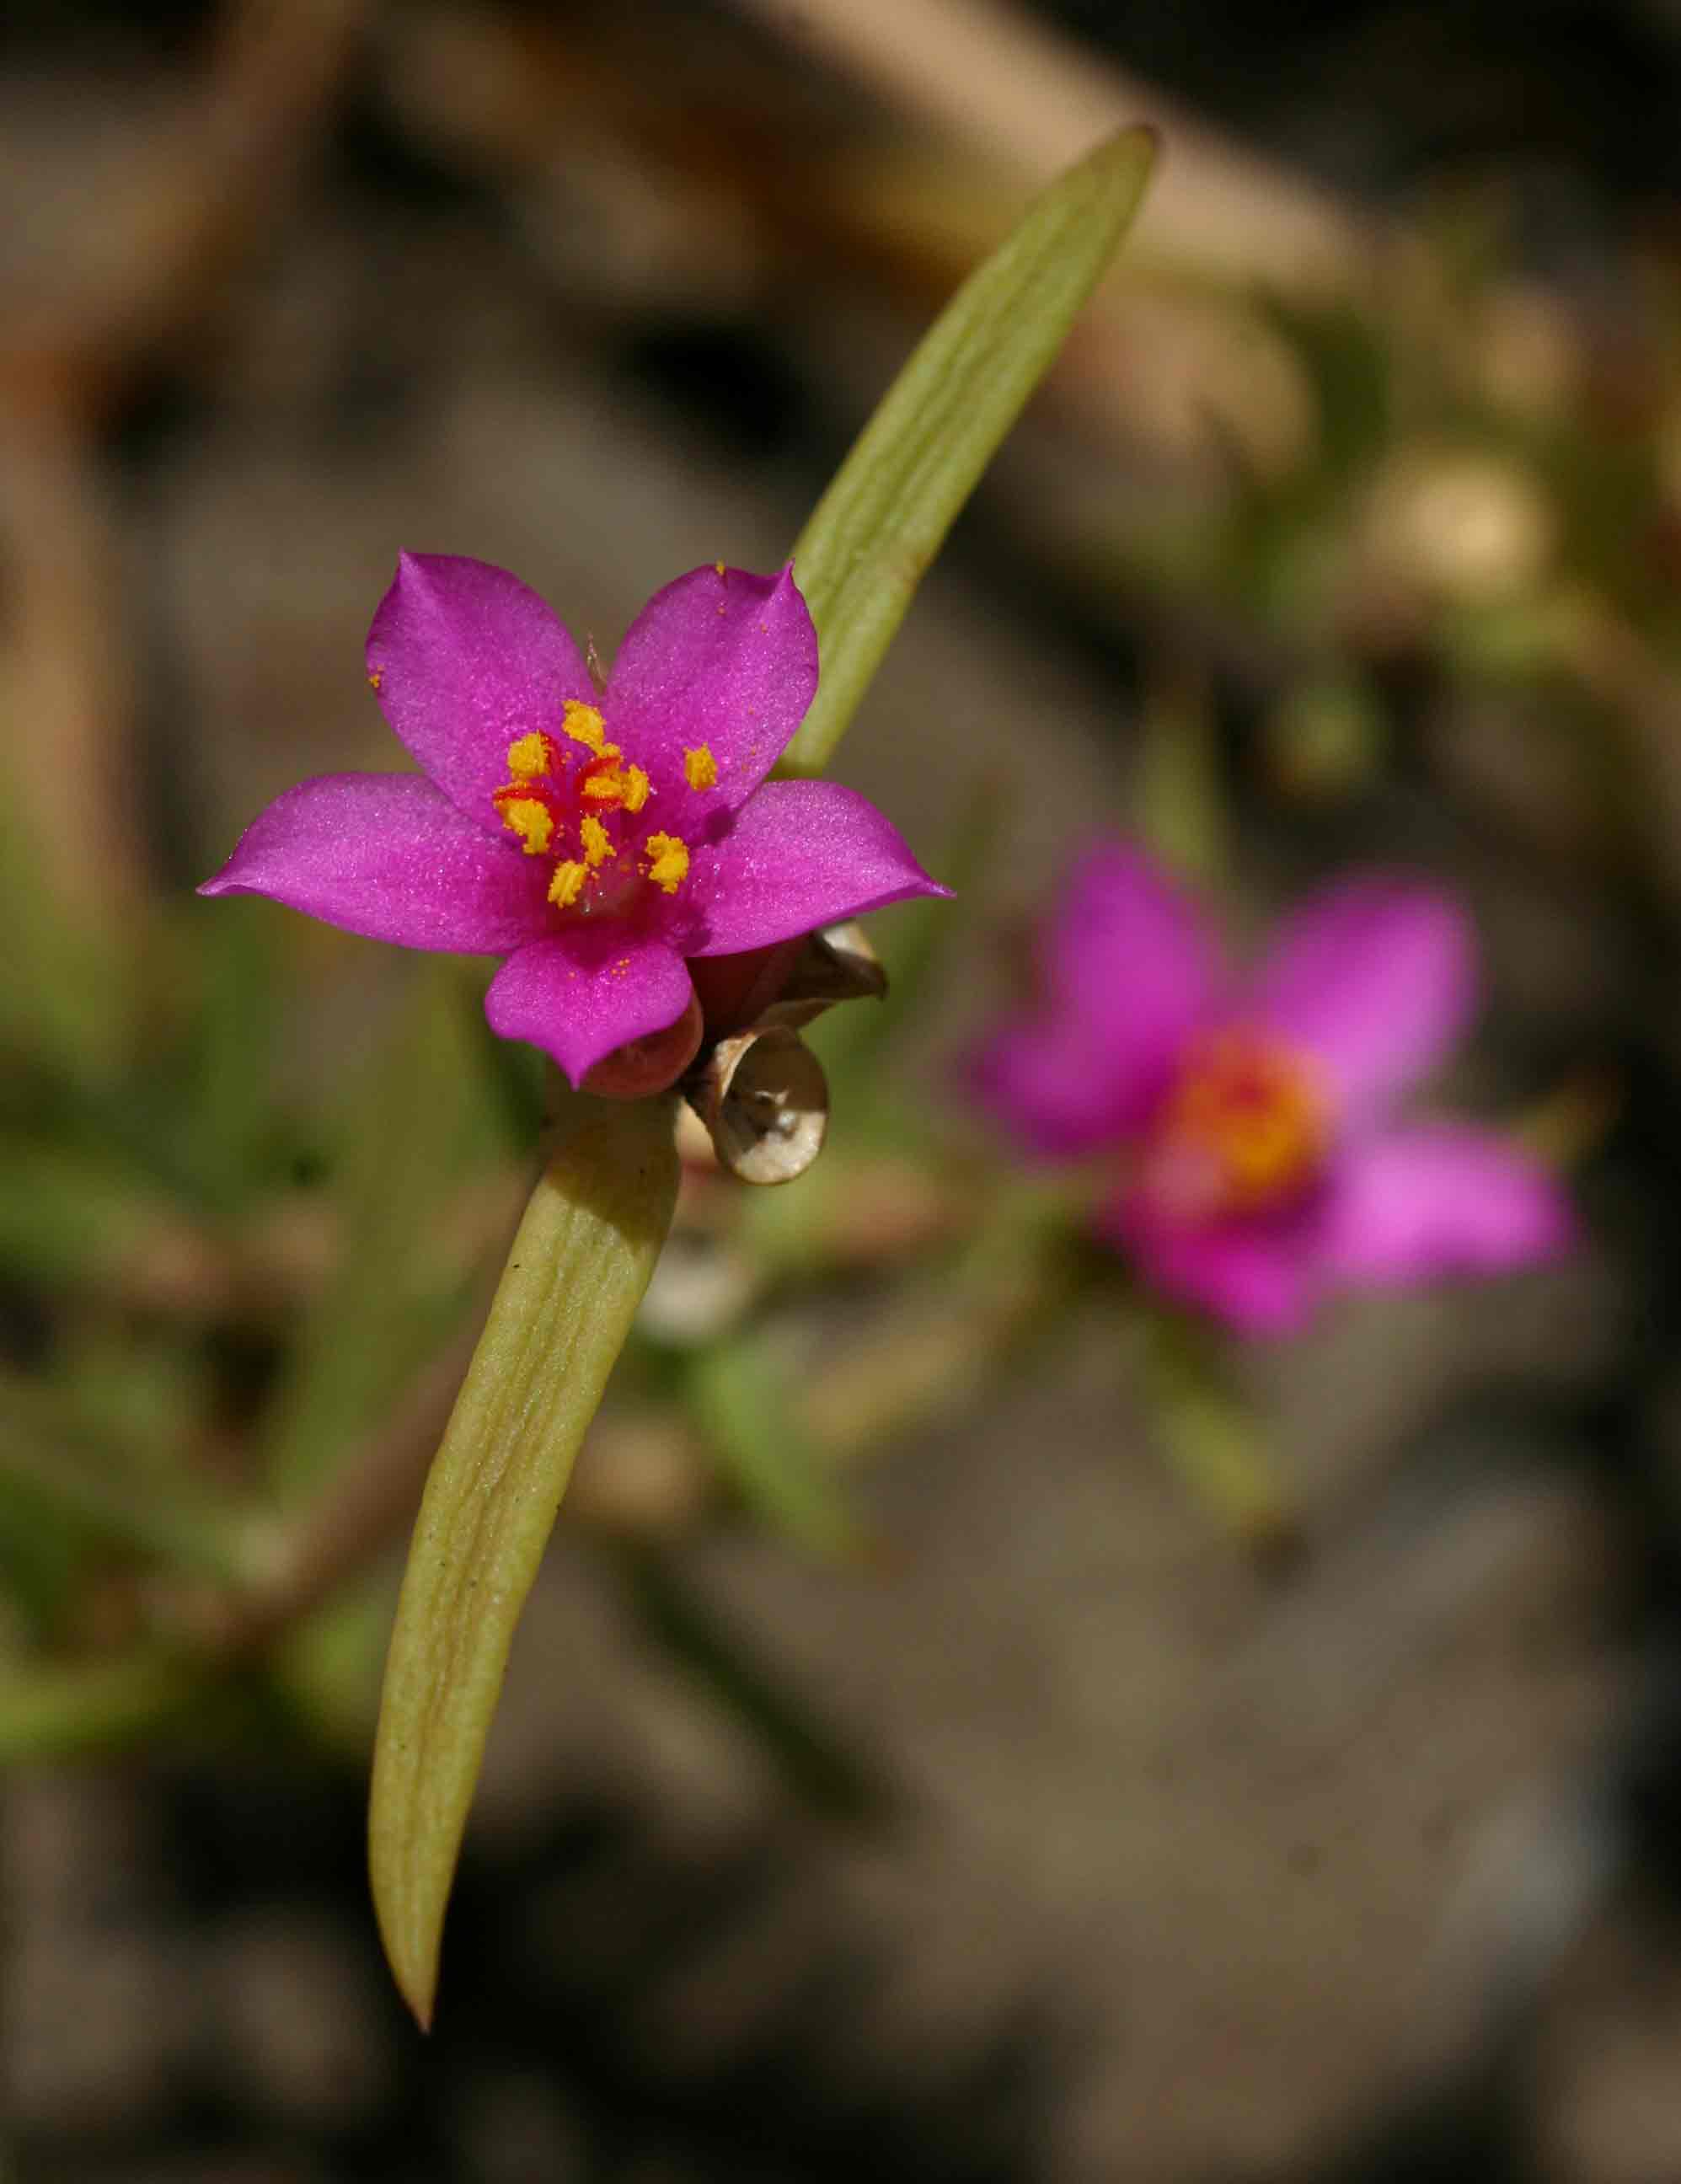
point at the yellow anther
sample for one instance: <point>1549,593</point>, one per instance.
<point>585,726</point>
<point>530,757</point>
<point>1263,1150</point>
<point>700,768</point>
<point>1253,1116</point>
<point>667,861</point>
<point>529,818</point>
<point>634,789</point>
<point>597,843</point>
<point>567,884</point>
<point>607,788</point>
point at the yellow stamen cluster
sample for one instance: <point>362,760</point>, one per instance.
<point>531,820</point>
<point>585,726</point>
<point>618,788</point>
<point>667,861</point>
<point>624,788</point>
<point>1256,1113</point>
<point>532,758</point>
<point>539,805</point>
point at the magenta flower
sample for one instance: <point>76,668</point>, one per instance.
<point>1262,1162</point>
<point>599,841</point>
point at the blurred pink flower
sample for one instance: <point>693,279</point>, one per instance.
<point>597,866</point>
<point>1264,1165</point>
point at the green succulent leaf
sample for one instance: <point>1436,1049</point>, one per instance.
<point>594,1227</point>
<point>876,530</point>
<point>573,1278</point>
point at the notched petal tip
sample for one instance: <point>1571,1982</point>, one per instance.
<point>721,657</point>
<point>801,855</point>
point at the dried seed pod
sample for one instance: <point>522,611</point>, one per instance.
<point>763,1098</point>
<point>838,964</point>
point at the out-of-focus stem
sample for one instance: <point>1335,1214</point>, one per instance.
<point>89,1706</point>
<point>188,1531</point>
<point>161,252</point>
<point>69,689</point>
<point>137,278</point>
<point>1208,1432</point>
<point>293,1568</point>
<point>1013,89</point>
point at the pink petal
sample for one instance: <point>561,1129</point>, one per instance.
<point>1127,971</point>
<point>1442,1199</point>
<point>1122,929</point>
<point>800,853</point>
<point>1377,979</point>
<point>1047,1081</point>
<point>729,660</point>
<point>1128,956</point>
<point>586,990</point>
<point>386,855</point>
<point>1258,1276</point>
<point>465,660</point>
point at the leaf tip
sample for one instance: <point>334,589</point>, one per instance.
<point>1136,150</point>
<point>413,1966</point>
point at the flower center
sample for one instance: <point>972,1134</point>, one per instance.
<point>583,808</point>
<point>1243,1131</point>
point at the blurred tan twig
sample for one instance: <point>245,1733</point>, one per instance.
<point>127,285</point>
<point>299,1564</point>
<point>205,189</point>
<point>1010,88</point>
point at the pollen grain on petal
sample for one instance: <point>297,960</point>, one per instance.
<point>567,884</point>
<point>376,677</point>
<point>700,768</point>
<point>667,861</point>
<point>584,725</point>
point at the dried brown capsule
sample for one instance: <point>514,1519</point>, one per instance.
<point>765,1102</point>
